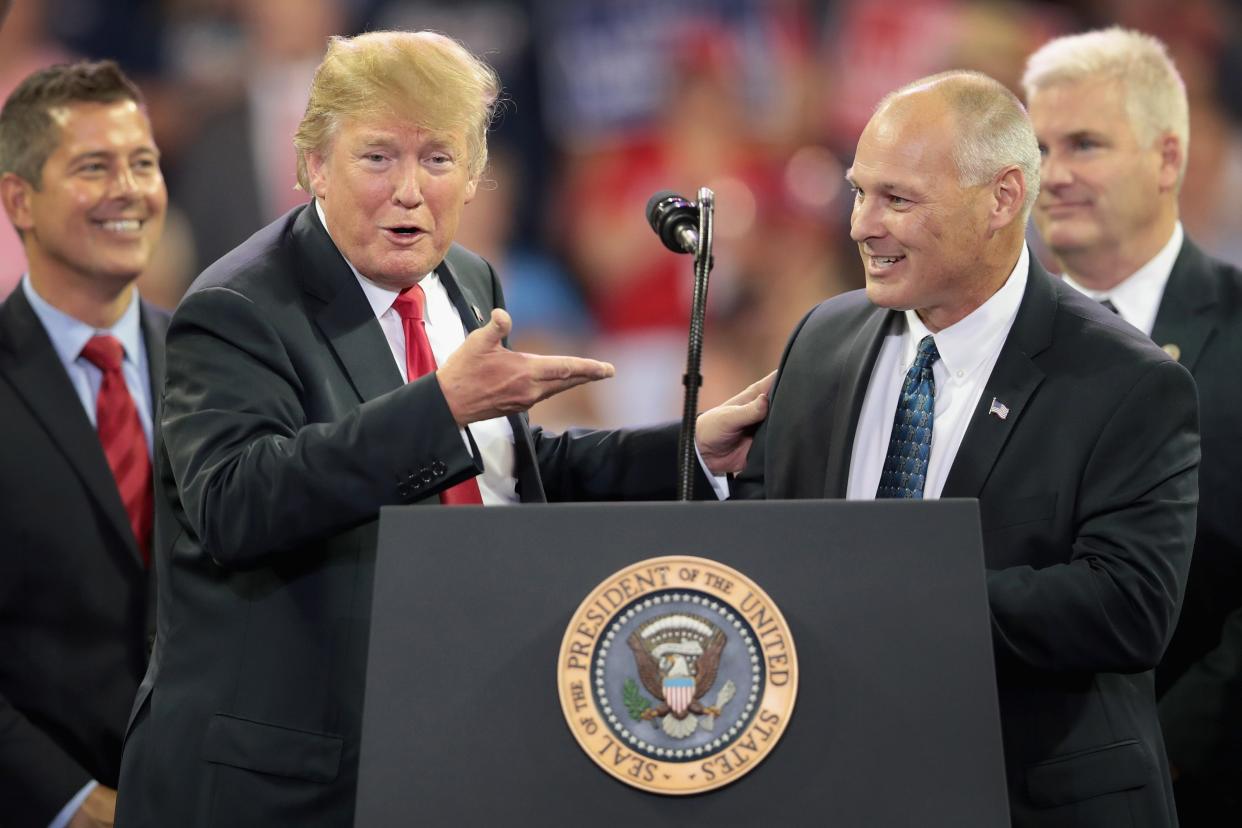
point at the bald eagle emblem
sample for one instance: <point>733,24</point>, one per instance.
<point>677,657</point>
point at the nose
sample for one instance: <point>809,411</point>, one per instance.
<point>407,192</point>
<point>1053,171</point>
<point>125,182</point>
<point>865,220</point>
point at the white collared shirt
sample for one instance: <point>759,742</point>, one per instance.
<point>968,350</point>
<point>445,331</point>
<point>1137,298</point>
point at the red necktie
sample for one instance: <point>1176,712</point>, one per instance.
<point>124,444</point>
<point>420,360</point>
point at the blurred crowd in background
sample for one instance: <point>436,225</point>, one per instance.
<point>608,101</point>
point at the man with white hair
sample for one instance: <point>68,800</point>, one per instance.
<point>1111,116</point>
<point>965,370</point>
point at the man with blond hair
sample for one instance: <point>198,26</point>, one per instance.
<point>965,370</point>
<point>347,357</point>
<point>1111,115</point>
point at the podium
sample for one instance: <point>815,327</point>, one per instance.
<point>896,720</point>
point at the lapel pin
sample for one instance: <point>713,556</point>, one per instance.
<point>477,315</point>
<point>998,408</point>
<point>1172,350</point>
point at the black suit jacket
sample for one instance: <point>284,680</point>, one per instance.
<point>1201,314</point>
<point>1087,495</point>
<point>73,589</point>
<point>286,428</point>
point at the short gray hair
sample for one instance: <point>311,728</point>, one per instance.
<point>993,130</point>
<point>1155,94</point>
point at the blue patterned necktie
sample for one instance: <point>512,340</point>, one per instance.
<point>909,447</point>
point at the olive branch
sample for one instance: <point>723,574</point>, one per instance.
<point>634,700</point>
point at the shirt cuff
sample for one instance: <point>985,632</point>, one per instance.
<point>720,482</point>
<point>67,812</point>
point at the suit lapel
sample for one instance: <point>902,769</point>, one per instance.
<point>848,399</point>
<point>31,364</point>
<point>1185,320</point>
<point>345,316</point>
<point>154,329</point>
<point>1012,382</point>
<point>474,312</point>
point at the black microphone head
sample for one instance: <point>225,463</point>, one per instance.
<point>666,213</point>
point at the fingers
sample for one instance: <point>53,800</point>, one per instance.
<point>496,329</point>
<point>753,391</point>
<point>739,417</point>
<point>568,368</point>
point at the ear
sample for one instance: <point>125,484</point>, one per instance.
<point>316,172</point>
<point>1008,198</point>
<point>15,193</point>
<point>1171,154</point>
<point>471,188</point>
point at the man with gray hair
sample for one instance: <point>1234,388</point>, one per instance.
<point>347,357</point>
<point>965,370</point>
<point>1111,115</point>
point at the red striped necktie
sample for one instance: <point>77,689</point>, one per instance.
<point>419,360</point>
<point>124,444</point>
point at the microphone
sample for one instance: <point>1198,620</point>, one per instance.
<point>675,220</point>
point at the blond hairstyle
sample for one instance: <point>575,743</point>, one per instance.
<point>992,128</point>
<point>425,77</point>
<point>1155,95</point>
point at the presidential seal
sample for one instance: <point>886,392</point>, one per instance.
<point>677,675</point>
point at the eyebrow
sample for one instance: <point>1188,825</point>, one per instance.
<point>108,155</point>
<point>883,186</point>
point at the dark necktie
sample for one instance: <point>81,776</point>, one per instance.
<point>909,447</point>
<point>124,443</point>
<point>419,360</point>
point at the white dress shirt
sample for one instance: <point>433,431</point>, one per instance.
<point>445,331</point>
<point>1137,298</point>
<point>968,350</point>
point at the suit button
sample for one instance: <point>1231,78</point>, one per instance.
<point>439,469</point>
<point>426,478</point>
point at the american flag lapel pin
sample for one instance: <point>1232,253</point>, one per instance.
<point>998,408</point>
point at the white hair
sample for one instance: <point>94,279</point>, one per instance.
<point>1155,95</point>
<point>993,130</point>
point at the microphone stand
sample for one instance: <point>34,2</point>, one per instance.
<point>692,379</point>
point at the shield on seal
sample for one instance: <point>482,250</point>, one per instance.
<point>678,692</point>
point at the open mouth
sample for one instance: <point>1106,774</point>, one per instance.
<point>120,225</point>
<point>879,263</point>
<point>405,230</point>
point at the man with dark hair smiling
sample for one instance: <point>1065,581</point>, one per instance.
<point>81,361</point>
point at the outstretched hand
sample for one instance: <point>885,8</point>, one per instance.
<point>724,434</point>
<point>483,379</point>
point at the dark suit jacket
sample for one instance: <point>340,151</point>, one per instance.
<point>1087,496</point>
<point>286,429</point>
<point>1202,719</point>
<point>1201,313</point>
<point>73,589</point>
